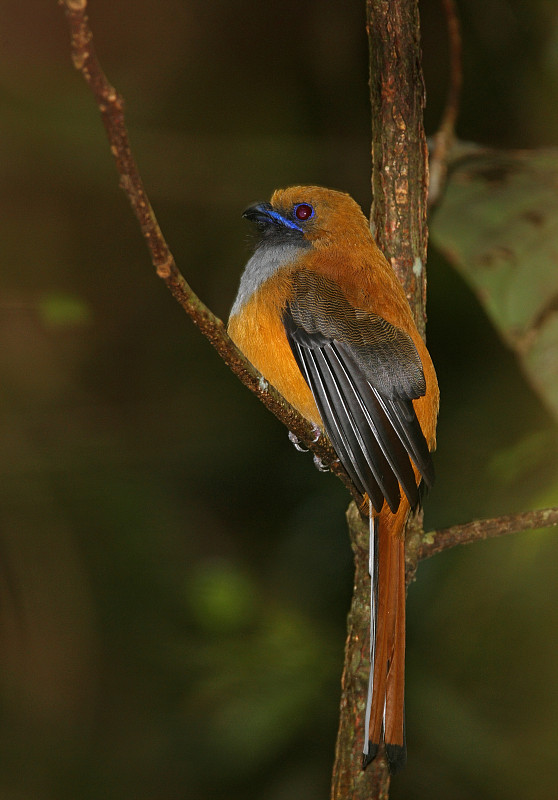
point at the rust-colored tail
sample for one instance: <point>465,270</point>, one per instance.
<point>385,717</point>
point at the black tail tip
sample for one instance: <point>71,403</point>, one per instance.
<point>396,755</point>
<point>368,757</point>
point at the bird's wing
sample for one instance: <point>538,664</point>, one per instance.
<point>364,374</point>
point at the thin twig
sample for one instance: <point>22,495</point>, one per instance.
<point>438,541</point>
<point>445,136</point>
<point>111,107</point>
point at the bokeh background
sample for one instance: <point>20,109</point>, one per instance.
<point>174,577</point>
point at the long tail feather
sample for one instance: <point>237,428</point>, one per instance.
<point>385,710</point>
<point>395,687</point>
<point>371,749</point>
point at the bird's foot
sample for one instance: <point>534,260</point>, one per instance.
<point>296,441</point>
<point>319,464</point>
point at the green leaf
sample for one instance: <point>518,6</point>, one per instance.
<point>498,225</point>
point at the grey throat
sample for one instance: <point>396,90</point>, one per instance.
<point>265,262</point>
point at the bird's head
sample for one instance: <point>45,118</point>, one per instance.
<point>309,216</point>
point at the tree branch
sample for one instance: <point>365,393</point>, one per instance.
<point>399,152</point>
<point>445,136</point>
<point>437,541</point>
<point>111,107</point>
<point>398,219</point>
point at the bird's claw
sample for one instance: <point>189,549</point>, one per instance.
<point>317,433</point>
<point>296,441</point>
<point>319,464</point>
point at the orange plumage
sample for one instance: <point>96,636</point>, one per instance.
<point>323,317</point>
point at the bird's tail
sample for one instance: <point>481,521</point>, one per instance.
<point>385,704</point>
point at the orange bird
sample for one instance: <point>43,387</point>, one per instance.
<point>321,314</point>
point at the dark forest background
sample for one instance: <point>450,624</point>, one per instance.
<point>174,577</point>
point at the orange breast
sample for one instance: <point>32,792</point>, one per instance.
<point>257,329</point>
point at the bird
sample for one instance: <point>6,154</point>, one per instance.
<point>322,315</point>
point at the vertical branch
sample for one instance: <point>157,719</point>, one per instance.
<point>398,219</point>
<point>399,152</point>
<point>445,136</point>
<point>350,781</point>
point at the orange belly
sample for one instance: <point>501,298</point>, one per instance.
<point>258,331</point>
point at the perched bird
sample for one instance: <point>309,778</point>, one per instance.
<point>321,314</point>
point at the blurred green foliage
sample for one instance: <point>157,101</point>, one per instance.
<point>61,309</point>
<point>174,576</point>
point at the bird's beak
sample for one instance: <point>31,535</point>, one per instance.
<point>260,213</point>
<point>265,216</point>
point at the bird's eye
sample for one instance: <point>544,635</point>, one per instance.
<point>303,211</point>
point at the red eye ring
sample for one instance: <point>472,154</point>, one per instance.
<point>303,211</point>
